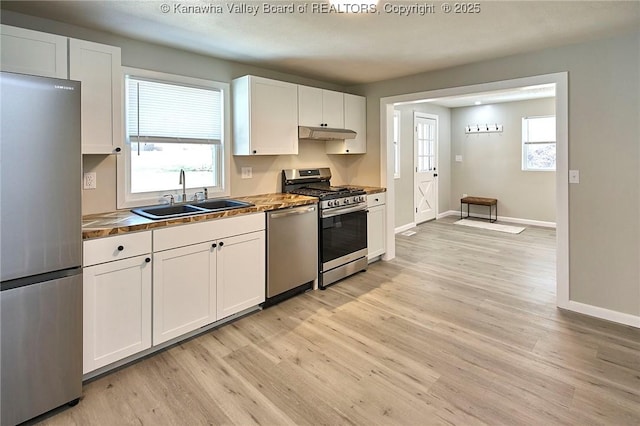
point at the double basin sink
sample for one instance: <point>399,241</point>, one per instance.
<point>180,210</point>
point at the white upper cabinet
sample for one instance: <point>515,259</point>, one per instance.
<point>320,108</point>
<point>32,52</point>
<point>265,117</point>
<point>355,118</point>
<point>98,67</point>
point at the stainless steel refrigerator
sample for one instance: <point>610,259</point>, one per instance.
<point>40,246</point>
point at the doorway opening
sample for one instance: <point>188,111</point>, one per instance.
<point>559,82</point>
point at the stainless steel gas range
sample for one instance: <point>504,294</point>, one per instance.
<point>342,222</point>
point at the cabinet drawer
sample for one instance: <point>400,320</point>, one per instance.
<point>194,233</point>
<point>376,199</point>
<point>117,247</point>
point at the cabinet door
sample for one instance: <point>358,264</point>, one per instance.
<point>116,311</point>
<point>376,231</point>
<point>355,118</point>
<point>32,52</point>
<point>320,108</point>
<point>241,273</point>
<point>97,66</point>
<point>184,290</point>
<point>333,109</point>
<point>310,106</point>
<point>265,117</point>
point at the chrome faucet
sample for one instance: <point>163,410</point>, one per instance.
<point>170,197</point>
<point>183,181</point>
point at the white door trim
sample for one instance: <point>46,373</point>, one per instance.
<point>562,161</point>
<point>434,117</point>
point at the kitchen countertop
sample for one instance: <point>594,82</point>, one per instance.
<point>367,189</point>
<point>123,221</point>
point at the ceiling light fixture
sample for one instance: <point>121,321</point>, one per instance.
<point>478,103</point>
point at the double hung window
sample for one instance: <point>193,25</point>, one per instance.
<point>172,123</point>
<point>539,143</point>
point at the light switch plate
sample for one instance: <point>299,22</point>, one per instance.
<point>90,180</point>
<point>458,158</point>
<point>574,176</point>
<point>247,172</point>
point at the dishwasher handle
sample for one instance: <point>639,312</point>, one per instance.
<point>292,212</point>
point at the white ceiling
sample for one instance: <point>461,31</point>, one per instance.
<point>495,97</point>
<point>348,48</point>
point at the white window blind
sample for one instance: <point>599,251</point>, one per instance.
<point>159,112</point>
<point>539,129</point>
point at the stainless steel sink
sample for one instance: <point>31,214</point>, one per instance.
<point>180,210</point>
<point>225,204</point>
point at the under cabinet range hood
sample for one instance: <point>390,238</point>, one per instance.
<point>325,133</point>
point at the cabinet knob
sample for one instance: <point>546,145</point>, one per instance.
<point>148,259</point>
<point>120,248</point>
<point>255,152</point>
<point>377,199</point>
<point>118,149</point>
<point>221,243</point>
<point>347,150</point>
<point>214,245</point>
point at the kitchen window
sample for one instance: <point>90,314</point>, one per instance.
<point>539,143</point>
<point>172,123</point>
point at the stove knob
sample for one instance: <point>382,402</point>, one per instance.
<point>346,201</point>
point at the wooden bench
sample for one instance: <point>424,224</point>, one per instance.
<point>480,201</point>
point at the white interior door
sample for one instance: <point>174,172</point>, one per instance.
<point>426,162</point>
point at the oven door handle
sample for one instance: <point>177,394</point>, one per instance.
<point>343,210</point>
<point>294,211</point>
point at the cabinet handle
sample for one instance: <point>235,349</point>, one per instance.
<point>221,243</point>
<point>148,259</point>
<point>120,248</point>
<point>214,245</point>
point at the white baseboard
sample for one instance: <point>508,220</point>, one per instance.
<point>403,228</point>
<point>605,314</point>
<point>448,213</point>
<point>502,219</point>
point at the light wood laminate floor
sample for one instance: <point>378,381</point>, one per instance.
<point>461,328</point>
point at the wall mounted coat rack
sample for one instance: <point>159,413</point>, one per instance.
<point>483,128</point>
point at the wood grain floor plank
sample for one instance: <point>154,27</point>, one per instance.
<point>460,329</point>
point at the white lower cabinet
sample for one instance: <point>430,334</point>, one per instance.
<point>198,274</point>
<point>241,273</point>
<point>117,301</point>
<point>376,224</point>
<point>184,290</point>
<point>218,271</point>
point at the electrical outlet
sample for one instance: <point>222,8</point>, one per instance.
<point>247,172</point>
<point>90,180</point>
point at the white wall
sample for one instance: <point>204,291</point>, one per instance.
<point>492,162</point>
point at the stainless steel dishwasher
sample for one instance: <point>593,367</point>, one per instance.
<point>292,252</point>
